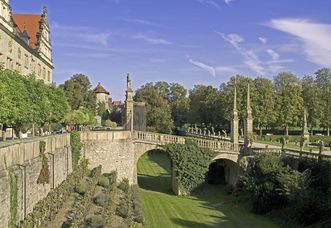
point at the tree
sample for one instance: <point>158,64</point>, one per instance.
<point>202,104</point>
<point>179,104</point>
<point>80,117</point>
<point>26,100</point>
<point>312,101</point>
<point>289,100</point>
<point>78,92</point>
<point>323,82</point>
<point>102,110</point>
<point>264,103</point>
<point>15,103</point>
<point>157,108</point>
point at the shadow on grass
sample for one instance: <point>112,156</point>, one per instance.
<point>161,180</point>
<point>185,223</point>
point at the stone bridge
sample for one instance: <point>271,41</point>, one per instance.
<point>121,150</point>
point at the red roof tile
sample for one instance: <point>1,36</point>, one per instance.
<point>30,23</point>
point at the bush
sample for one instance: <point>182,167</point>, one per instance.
<point>122,209</point>
<point>103,181</point>
<point>100,200</point>
<point>191,164</point>
<point>124,185</point>
<point>81,188</point>
<point>109,123</point>
<point>229,189</point>
<point>138,213</point>
<point>95,222</point>
<point>76,147</point>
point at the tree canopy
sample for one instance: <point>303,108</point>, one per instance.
<point>26,100</point>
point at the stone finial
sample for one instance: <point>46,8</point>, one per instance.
<point>128,88</point>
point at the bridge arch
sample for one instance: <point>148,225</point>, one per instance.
<point>224,169</point>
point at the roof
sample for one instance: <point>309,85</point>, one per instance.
<point>30,23</point>
<point>100,89</point>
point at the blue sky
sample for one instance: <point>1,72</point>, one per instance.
<point>186,41</point>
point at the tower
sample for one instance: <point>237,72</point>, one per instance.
<point>235,120</point>
<point>128,124</point>
<point>248,128</point>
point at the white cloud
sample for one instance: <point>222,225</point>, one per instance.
<point>263,40</point>
<point>250,58</point>
<point>211,69</point>
<point>209,3</point>
<point>274,55</point>
<point>80,34</point>
<point>152,40</point>
<point>139,21</point>
<point>228,1</point>
<point>314,36</point>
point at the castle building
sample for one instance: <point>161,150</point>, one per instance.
<point>25,44</point>
<point>101,95</point>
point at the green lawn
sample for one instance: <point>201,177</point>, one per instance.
<point>212,209</point>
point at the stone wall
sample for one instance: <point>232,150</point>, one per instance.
<point>113,150</point>
<point>22,159</point>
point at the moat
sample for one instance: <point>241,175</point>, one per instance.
<point>212,208</point>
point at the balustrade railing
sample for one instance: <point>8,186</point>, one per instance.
<point>291,152</point>
<point>166,139</point>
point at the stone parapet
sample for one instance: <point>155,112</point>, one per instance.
<point>18,152</point>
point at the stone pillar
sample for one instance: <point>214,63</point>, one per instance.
<point>305,132</point>
<point>248,127</point>
<point>235,120</point>
<point>128,118</point>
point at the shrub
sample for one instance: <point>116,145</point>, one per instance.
<point>122,209</point>
<point>100,200</point>
<point>191,164</point>
<point>103,181</point>
<point>95,222</point>
<point>109,123</point>
<point>138,213</point>
<point>124,185</point>
<point>76,147</point>
<point>81,188</point>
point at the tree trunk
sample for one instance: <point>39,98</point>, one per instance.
<point>328,131</point>
<point>33,130</point>
<point>261,131</point>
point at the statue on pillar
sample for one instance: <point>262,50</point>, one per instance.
<point>235,120</point>
<point>305,132</point>
<point>248,127</point>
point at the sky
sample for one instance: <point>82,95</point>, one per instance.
<point>185,41</point>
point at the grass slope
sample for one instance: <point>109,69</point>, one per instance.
<point>212,209</point>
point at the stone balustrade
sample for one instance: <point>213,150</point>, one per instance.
<point>292,153</point>
<point>158,138</point>
<point>162,139</point>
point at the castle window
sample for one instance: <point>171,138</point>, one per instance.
<point>39,70</point>
<point>26,61</point>
<point>19,53</point>
<point>49,76</point>
<point>44,73</point>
